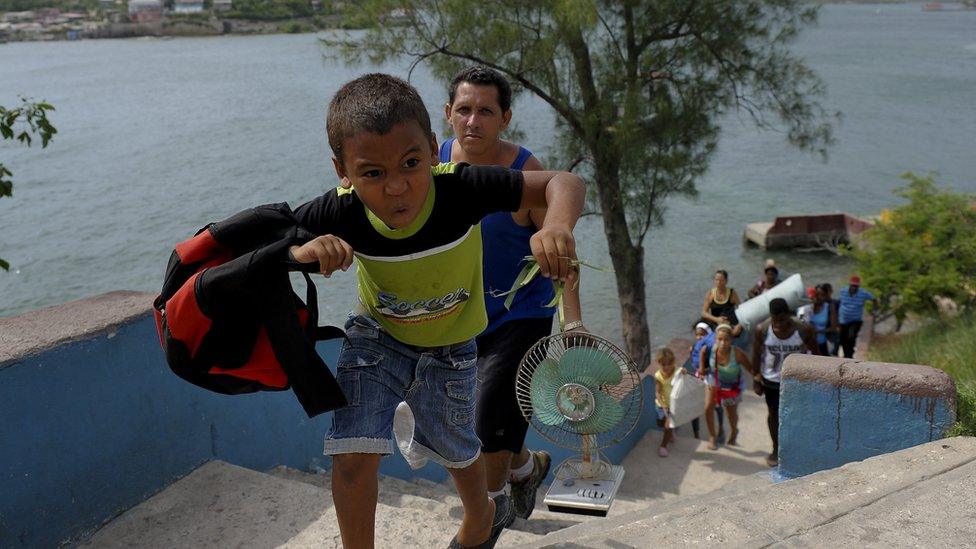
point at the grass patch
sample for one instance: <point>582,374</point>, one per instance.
<point>951,347</point>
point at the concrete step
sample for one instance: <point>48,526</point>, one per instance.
<point>920,496</point>
<point>393,492</point>
<point>433,497</point>
<point>221,505</point>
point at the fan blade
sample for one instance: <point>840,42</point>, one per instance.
<point>607,413</point>
<point>546,381</point>
<point>589,363</point>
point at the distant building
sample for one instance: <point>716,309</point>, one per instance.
<point>188,6</point>
<point>19,16</point>
<point>145,11</point>
<point>223,5</point>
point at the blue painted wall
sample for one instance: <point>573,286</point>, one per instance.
<point>824,426</point>
<point>91,428</point>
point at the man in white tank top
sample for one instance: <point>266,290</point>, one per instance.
<point>773,341</point>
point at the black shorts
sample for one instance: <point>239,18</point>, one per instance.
<point>771,392</point>
<point>498,420</point>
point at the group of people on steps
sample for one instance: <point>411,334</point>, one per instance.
<point>823,326</point>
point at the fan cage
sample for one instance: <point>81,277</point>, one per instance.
<point>628,392</point>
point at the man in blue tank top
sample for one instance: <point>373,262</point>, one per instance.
<point>479,109</point>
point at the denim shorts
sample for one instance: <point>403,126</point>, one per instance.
<point>377,372</point>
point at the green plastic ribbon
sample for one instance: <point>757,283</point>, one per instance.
<point>531,270</point>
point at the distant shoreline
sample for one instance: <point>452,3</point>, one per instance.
<point>172,27</point>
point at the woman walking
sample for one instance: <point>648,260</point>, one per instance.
<point>723,374</point>
<point>720,303</point>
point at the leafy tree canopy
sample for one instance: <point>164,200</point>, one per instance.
<point>23,123</point>
<point>638,88</point>
<point>922,252</point>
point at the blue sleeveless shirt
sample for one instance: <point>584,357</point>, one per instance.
<point>504,244</point>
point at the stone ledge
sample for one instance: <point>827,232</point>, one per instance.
<point>912,380</point>
<point>31,333</point>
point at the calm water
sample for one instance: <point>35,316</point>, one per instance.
<point>158,137</point>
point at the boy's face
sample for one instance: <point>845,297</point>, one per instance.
<point>390,172</point>
<point>476,117</point>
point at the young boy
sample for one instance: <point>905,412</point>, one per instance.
<point>412,227</point>
<point>479,109</point>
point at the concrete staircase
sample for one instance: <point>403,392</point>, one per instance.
<point>223,505</point>
<point>921,496</point>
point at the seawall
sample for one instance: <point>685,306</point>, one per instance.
<point>835,411</point>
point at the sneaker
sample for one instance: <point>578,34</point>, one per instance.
<point>662,451</point>
<point>523,491</point>
<point>504,517</point>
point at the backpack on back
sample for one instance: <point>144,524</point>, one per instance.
<point>228,319</point>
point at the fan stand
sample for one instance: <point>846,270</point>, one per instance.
<point>585,484</point>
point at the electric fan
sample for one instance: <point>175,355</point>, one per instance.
<point>583,393</point>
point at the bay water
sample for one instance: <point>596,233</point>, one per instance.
<point>159,137</point>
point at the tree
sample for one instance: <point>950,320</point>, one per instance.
<point>921,253</point>
<point>22,123</point>
<point>637,86</point>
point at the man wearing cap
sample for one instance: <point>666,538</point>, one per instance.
<point>852,299</point>
<point>770,278</point>
<point>775,339</point>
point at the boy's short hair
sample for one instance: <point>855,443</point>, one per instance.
<point>483,76</point>
<point>373,103</point>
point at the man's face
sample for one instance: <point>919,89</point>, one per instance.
<point>781,323</point>
<point>390,172</point>
<point>476,117</point>
<point>771,275</point>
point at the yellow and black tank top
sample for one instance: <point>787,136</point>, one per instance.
<point>422,283</point>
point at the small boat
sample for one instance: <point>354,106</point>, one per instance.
<point>932,6</point>
<point>812,231</point>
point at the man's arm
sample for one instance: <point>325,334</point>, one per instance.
<point>757,346</point>
<point>572,307</point>
<point>755,290</point>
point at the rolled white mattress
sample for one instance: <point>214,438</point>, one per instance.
<point>752,312</point>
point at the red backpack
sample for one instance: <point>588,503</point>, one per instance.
<point>229,320</point>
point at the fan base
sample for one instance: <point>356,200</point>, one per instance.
<point>583,496</point>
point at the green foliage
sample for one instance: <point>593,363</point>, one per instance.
<point>951,347</point>
<point>637,85</point>
<point>295,27</point>
<point>23,123</point>
<point>922,252</point>
<point>638,88</point>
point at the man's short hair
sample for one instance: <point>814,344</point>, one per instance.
<point>373,103</point>
<point>778,306</point>
<point>483,76</point>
